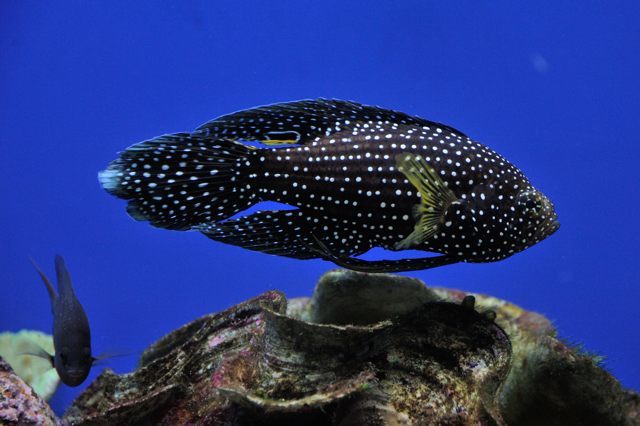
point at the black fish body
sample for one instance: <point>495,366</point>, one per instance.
<point>71,334</point>
<point>358,176</point>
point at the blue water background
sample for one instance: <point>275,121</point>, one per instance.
<point>551,85</point>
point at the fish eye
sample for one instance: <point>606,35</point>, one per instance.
<point>532,205</point>
<point>530,202</point>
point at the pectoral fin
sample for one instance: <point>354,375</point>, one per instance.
<point>41,353</point>
<point>436,198</point>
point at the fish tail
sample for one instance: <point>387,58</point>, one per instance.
<point>183,180</point>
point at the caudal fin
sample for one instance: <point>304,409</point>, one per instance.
<point>182,180</point>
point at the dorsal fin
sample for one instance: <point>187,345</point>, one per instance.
<point>65,288</point>
<point>52,293</point>
<point>300,122</point>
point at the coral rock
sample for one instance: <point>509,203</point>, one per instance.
<point>364,350</point>
<point>254,364</point>
<point>19,403</point>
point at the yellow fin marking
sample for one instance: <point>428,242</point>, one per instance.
<point>270,142</point>
<point>434,194</point>
<point>281,137</point>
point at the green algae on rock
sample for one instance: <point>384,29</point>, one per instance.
<point>551,382</point>
<point>344,297</point>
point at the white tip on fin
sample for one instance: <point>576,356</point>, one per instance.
<point>109,179</point>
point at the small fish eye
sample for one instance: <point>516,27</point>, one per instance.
<point>531,204</point>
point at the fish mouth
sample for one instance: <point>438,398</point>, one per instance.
<point>550,224</point>
<point>76,373</point>
<point>548,228</point>
<point>553,227</point>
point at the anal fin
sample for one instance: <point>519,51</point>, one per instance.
<point>287,233</point>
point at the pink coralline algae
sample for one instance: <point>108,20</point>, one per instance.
<point>19,404</point>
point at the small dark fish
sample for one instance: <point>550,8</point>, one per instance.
<point>358,176</point>
<point>71,335</point>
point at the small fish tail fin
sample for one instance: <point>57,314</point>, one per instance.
<point>179,181</point>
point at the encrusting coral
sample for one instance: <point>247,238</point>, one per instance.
<point>366,349</point>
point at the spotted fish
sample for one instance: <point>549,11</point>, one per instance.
<point>356,176</point>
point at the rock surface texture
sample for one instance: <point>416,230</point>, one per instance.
<point>19,403</point>
<point>364,350</point>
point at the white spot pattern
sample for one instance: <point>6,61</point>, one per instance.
<point>337,166</point>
